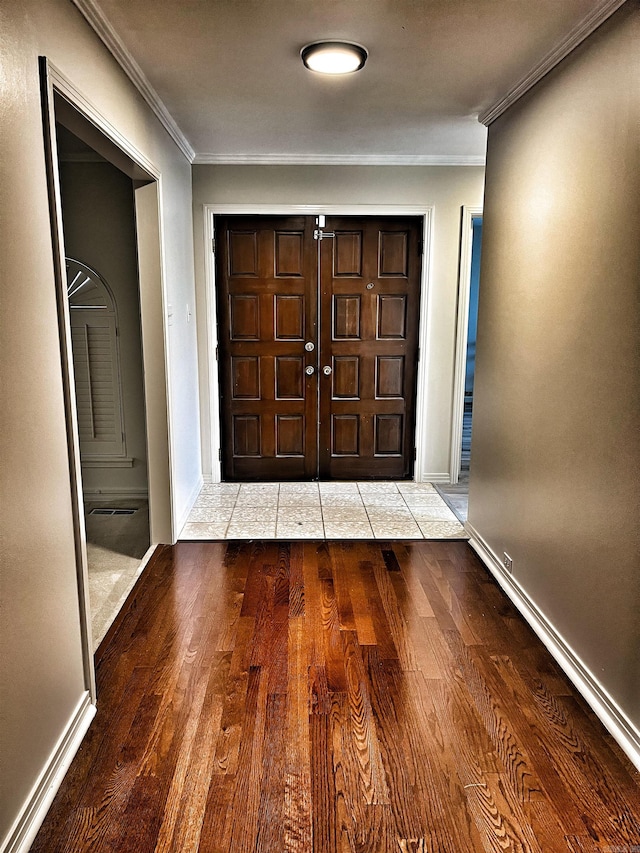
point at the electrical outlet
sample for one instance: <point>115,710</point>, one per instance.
<point>507,561</point>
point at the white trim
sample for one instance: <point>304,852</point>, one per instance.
<point>436,477</point>
<point>116,494</point>
<point>68,90</point>
<point>64,87</point>
<point>339,159</point>
<point>56,82</point>
<point>49,85</point>
<point>166,322</point>
<point>189,506</point>
<point>210,424</point>
<point>571,41</point>
<point>604,706</point>
<point>33,812</point>
<point>101,25</point>
<point>422,413</point>
<point>211,421</point>
<point>464,290</point>
<point>106,461</point>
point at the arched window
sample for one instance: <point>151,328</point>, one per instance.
<point>94,340</point>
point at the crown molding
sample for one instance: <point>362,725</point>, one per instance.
<point>339,160</point>
<point>575,37</point>
<point>97,20</point>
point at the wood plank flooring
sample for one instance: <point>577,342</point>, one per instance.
<point>336,697</point>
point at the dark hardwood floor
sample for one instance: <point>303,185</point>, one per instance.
<point>361,696</point>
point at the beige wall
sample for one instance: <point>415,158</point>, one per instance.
<point>446,188</point>
<point>41,666</point>
<point>99,230</point>
<point>554,459</point>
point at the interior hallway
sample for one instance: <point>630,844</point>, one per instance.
<point>335,696</point>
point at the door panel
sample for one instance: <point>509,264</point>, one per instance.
<point>267,308</point>
<point>370,295</point>
<point>358,420</point>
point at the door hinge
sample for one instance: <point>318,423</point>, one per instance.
<point>219,454</point>
<point>418,355</point>
<point>213,245</point>
<point>216,353</point>
<point>420,247</point>
<point>415,453</point>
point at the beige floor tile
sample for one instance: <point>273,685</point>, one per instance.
<point>396,531</point>
<point>212,514</point>
<point>345,514</point>
<point>251,531</point>
<point>299,514</point>
<point>202,530</point>
<point>416,488</point>
<point>383,499</point>
<point>215,500</point>
<point>300,531</point>
<point>254,514</point>
<point>377,488</point>
<point>443,530</point>
<point>299,499</point>
<point>385,513</point>
<point>433,513</point>
<point>347,531</point>
<point>344,499</point>
<point>338,488</point>
<point>220,489</point>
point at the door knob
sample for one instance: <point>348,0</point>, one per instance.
<point>326,370</point>
<point>309,370</point>
<point>309,346</point>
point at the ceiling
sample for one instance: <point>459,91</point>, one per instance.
<point>229,72</point>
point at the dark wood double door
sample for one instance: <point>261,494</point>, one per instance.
<point>318,346</point>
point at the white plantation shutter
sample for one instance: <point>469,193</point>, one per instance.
<point>95,362</point>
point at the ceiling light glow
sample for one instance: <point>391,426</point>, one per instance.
<point>334,57</point>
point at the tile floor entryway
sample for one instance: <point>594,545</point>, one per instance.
<point>116,546</point>
<point>325,510</point>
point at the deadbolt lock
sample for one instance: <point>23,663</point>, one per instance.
<point>309,346</point>
<point>309,370</point>
<point>326,370</point>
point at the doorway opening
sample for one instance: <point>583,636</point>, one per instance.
<point>456,493</point>
<point>318,329</point>
<point>106,241</point>
<point>98,216</point>
<point>472,331</point>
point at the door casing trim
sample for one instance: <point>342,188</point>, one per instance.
<point>210,423</point>
<point>469,213</point>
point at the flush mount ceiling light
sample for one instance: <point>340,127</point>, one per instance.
<point>334,57</point>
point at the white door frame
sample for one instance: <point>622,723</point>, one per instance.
<point>210,387</point>
<point>464,291</point>
<point>155,344</point>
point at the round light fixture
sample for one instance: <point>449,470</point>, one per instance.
<point>334,57</point>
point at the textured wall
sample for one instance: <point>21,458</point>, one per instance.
<point>554,457</point>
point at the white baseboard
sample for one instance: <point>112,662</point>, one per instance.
<point>604,706</point>
<point>107,494</point>
<point>440,477</point>
<point>37,804</point>
<point>182,519</point>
